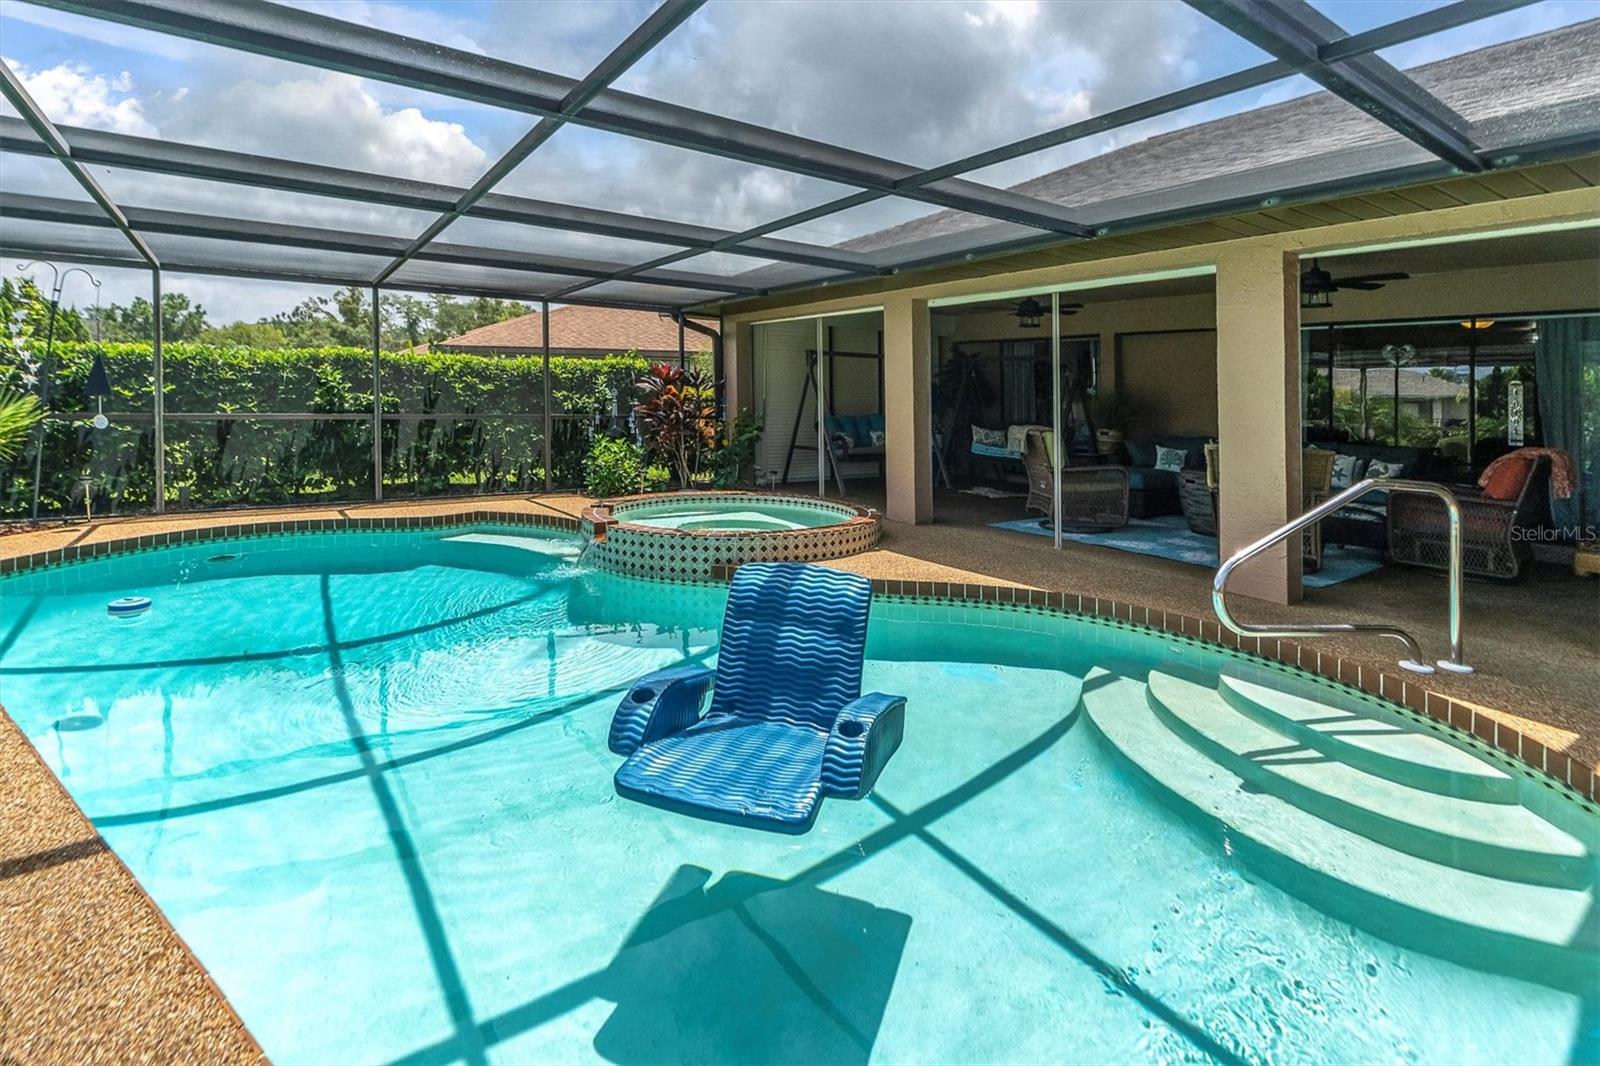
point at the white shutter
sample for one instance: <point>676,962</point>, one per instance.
<point>780,369</point>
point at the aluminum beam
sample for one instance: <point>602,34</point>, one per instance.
<point>1295,32</point>
<point>264,172</point>
<point>751,236</point>
<point>334,44</point>
<point>210,227</point>
<point>662,21</point>
<point>10,246</point>
<point>56,145</point>
<point>1362,44</point>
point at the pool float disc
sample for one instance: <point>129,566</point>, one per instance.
<point>128,607</point>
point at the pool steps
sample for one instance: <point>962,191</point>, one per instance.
<point>1485,881</point>
<point>1388,749</point>
<point>1498,839</point>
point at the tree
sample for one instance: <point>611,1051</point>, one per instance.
<point>25,318</point>
<point>181,319</point>
<point>246,335</point>
<point>408,321</point>
<point>341,320</point>
<point>452,317</point>
<point>345,319</point>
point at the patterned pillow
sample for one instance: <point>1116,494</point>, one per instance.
<point>989,438</point>
<point>1170,458</point>
<point>1379,468</point>
<point>1345,470</point>
<point>877,438</point>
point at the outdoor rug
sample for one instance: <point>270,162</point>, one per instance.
<point>1169,537</point>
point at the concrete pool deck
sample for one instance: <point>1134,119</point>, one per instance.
<point>94,972</point>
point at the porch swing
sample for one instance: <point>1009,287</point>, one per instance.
<point>845,438</point>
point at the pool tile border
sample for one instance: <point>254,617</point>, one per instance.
<point>197,534</point>
<point>1558,770</point>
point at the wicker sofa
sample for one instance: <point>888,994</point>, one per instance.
<point>1153,492</point>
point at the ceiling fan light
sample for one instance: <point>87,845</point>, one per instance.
<point>1316,298</point>
<point>1477,323</point>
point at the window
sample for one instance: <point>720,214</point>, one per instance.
<point>1463,389</point>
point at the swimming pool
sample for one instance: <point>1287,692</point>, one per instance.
<point>365,776</point>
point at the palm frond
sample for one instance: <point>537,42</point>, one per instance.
<point>19,413</point>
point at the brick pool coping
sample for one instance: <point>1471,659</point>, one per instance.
<point>1558,769</point>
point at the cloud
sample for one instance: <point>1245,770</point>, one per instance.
<point>922,82</point>
<point>328,118</point>
<point>73,95</point>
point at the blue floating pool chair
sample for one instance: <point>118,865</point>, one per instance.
<point>788,724</point>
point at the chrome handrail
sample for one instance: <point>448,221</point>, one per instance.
<point>1414,661</point>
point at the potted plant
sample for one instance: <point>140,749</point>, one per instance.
<point>1110,415</point>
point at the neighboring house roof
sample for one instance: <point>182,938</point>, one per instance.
<point>578,330</point>
<point>1414,384</point>
<point>1495,88</point>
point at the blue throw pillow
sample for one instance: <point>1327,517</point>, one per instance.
<point>1171,459</point>
<point>858,432</point>
<point>1141,452</point>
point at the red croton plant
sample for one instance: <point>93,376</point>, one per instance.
<point>677,416</point>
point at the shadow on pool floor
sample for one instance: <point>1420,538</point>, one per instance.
<point>750,969</point>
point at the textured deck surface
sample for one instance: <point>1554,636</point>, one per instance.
<point>89,970</point>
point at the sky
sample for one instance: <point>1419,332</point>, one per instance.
<point>918,81</point>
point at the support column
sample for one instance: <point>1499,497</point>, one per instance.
<point>738,370</point>
<point>820,404</point>
<point>907,409</point>
<point>547,424</point>
<point>1258,415</point>
<point>159,402</point>
<point>377,394</point>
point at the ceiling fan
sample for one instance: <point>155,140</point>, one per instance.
<point>1317,286</point>
<point>1029,312</point>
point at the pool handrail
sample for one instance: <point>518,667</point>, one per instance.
<point>1414,661</point>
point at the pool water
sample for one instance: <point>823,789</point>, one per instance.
<point>366,777</point>
<point>741,514</point>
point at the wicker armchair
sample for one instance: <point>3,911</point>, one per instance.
<point>1093,498</point>
<point>1316,483</point>
<point>1419,528</point>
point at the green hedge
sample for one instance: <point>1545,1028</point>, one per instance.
<point>242,460</point>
